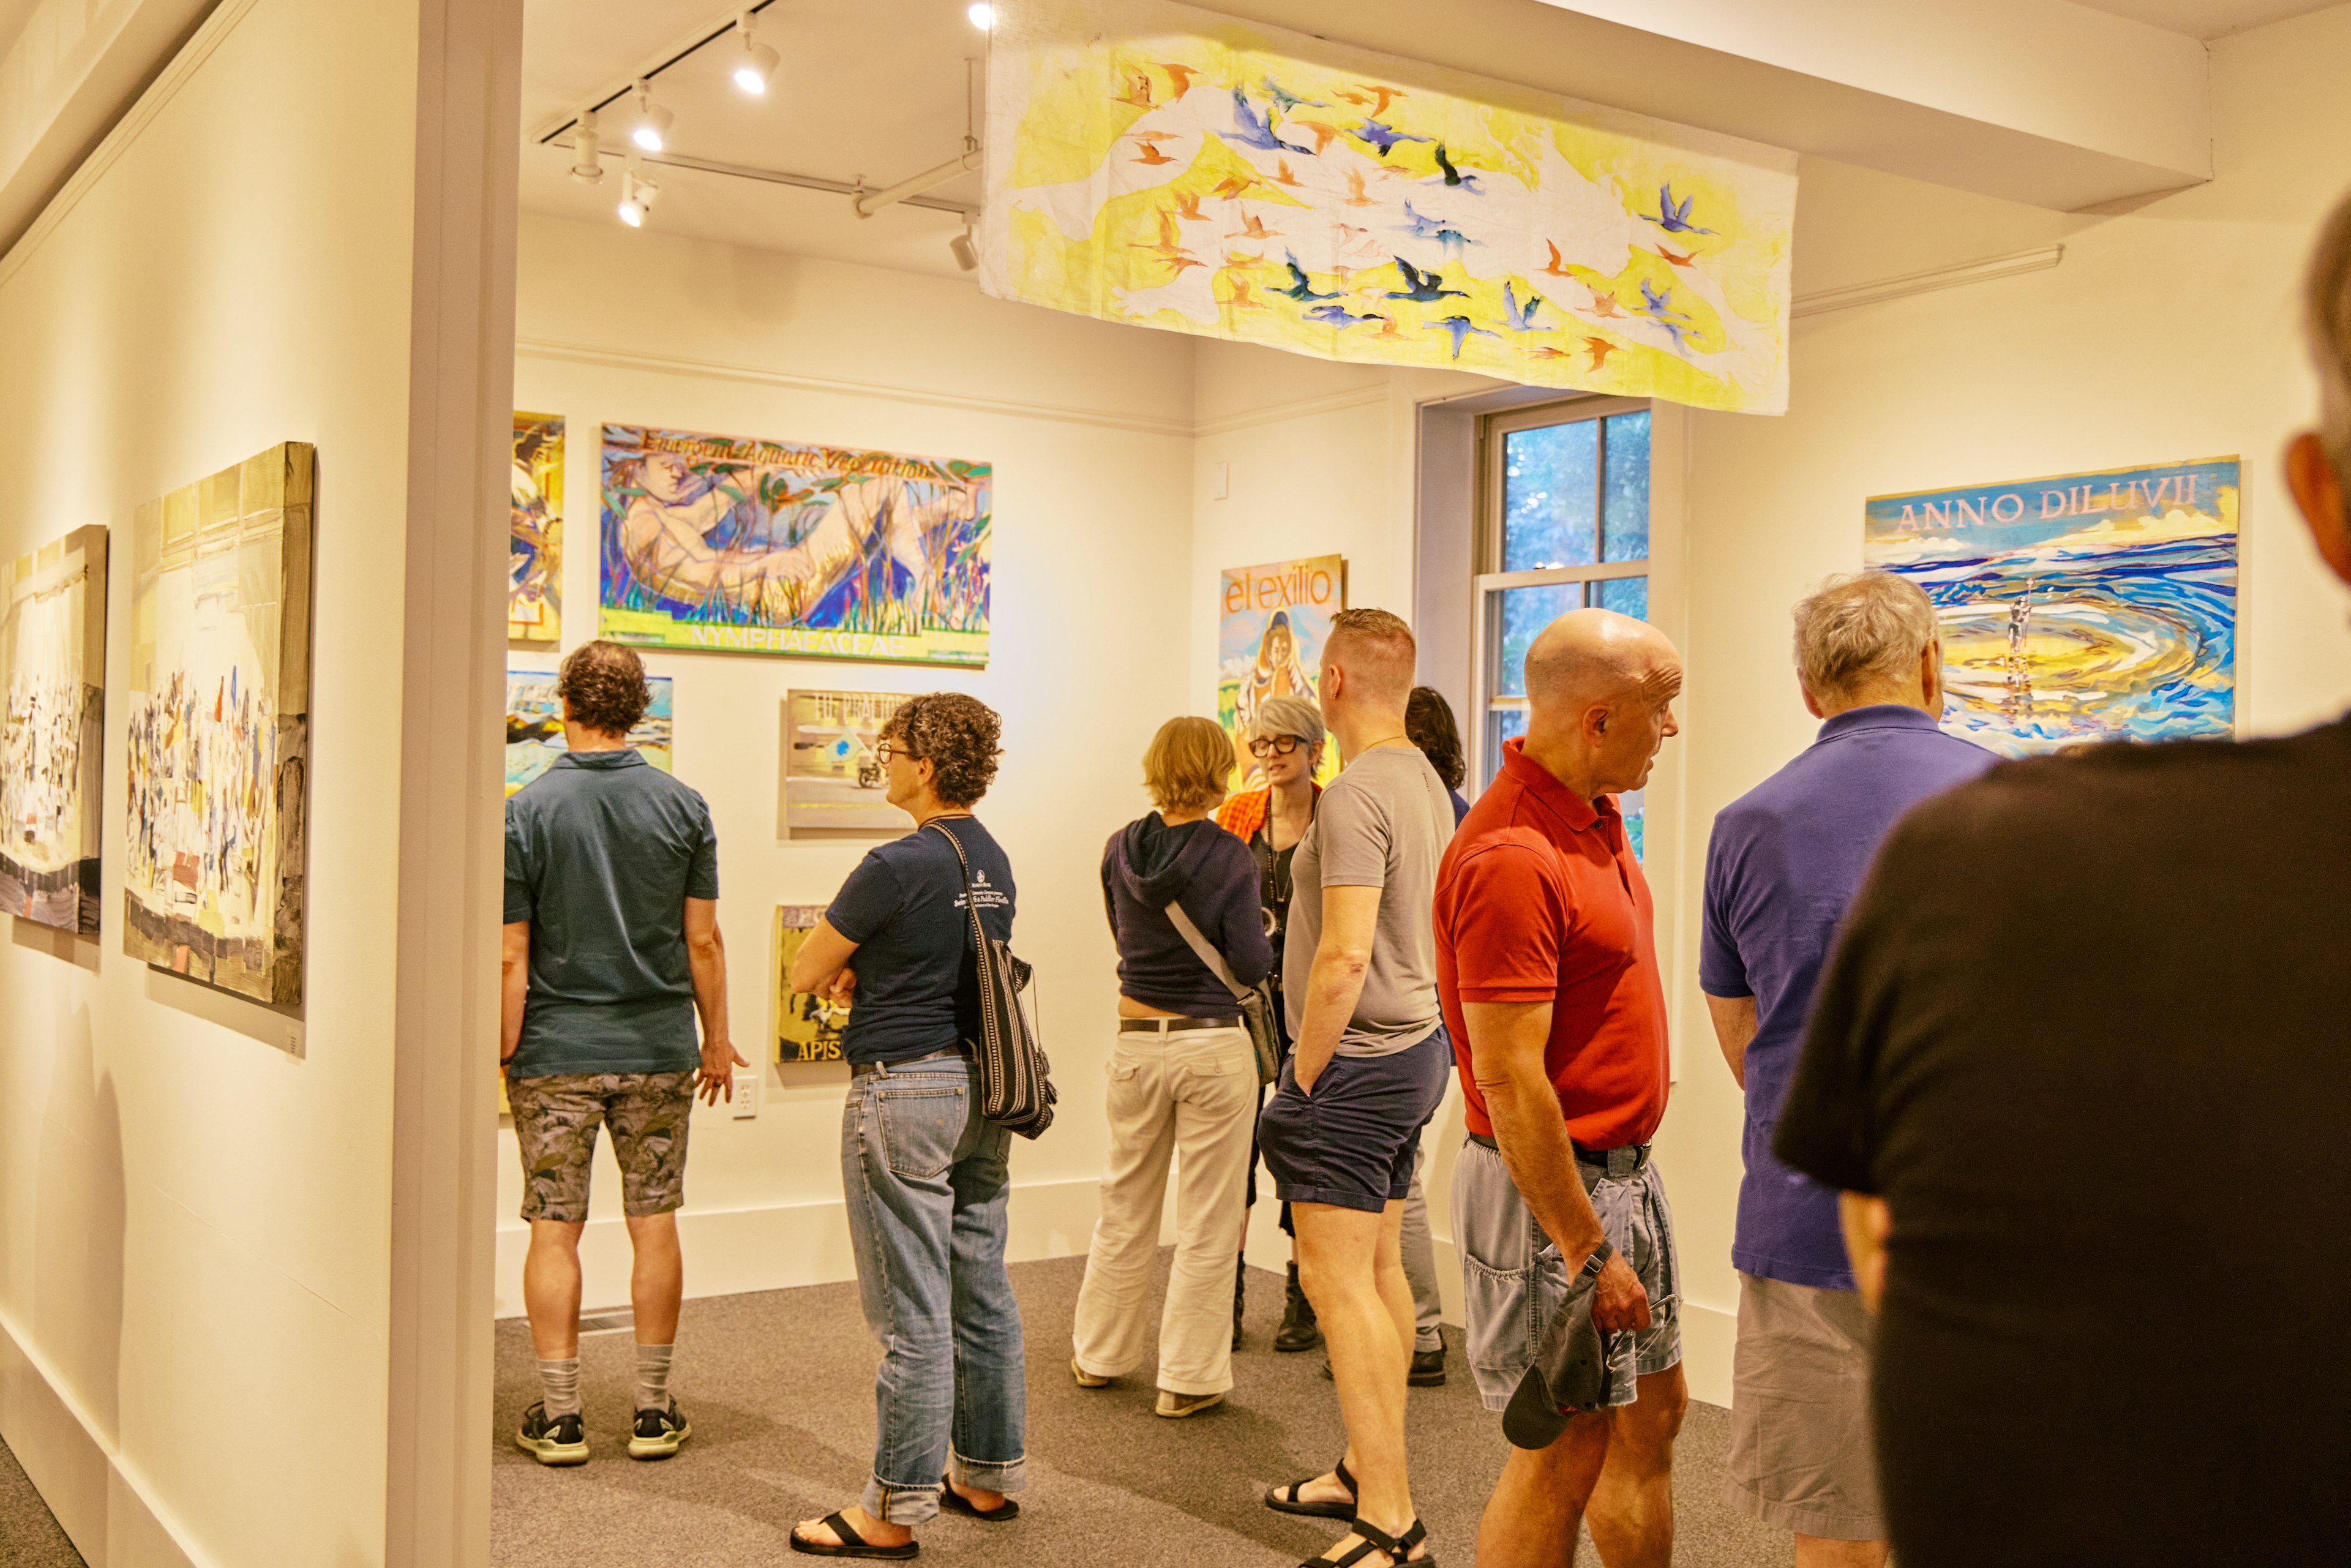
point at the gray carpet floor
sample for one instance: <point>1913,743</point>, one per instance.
<point>29,1536</point>
<point>779,1387</point>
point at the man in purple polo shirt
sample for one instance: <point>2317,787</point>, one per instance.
<point>1786,859</point>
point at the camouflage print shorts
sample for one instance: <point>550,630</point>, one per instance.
<point>555,1120</point>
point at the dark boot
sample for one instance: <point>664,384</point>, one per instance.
<point>1299,1330</point>
<point>1240,1297</point>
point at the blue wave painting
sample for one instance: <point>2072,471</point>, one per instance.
<point>2078,609</point>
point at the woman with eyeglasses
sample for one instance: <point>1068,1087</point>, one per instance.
<point>924,1172</point>
<point>1183,1076</point>
<point>1285,740</point>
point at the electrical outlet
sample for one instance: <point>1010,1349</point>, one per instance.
<point>747,1093</point>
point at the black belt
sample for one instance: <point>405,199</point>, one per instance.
<point>1172,1025</point>
<point>868,1069</point>
<point>1630,1156</point>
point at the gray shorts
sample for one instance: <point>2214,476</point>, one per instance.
<point>1800,1450</point>
<point>1513,1279</point>
<point>555,1120</point>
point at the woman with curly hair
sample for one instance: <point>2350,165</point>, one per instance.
<point>925,1173</point>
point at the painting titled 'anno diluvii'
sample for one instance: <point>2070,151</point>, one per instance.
<point>715,541</point>
<point>219,726</point>
<point>2085,607</point>
<point>53,658</point>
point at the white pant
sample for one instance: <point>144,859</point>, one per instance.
<point>1191,1094</point>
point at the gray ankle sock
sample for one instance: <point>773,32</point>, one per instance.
<point>561,1382</point>
<point>652,1377</point>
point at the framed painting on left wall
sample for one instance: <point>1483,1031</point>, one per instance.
<point>219,727</point>
<point>53,662</point>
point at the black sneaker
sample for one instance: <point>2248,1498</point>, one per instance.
<point>659,1433</point>
<point>1427,1368</point>
<point>560,1441</point>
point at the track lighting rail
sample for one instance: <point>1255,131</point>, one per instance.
<point>805,182</point>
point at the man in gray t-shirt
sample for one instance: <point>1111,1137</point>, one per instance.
<point>1383,823</point>
<point>1371,1063</point>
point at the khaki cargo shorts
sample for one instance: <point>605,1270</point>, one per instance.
<point>555,1120</point>
<point>1800,1450</point>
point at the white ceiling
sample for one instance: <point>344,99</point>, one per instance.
<point>2207,18</point>
<point>872,89</point>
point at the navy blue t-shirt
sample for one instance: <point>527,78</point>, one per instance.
<point>603,851</point>
<point>1785,860</point>
<point>917,973</point>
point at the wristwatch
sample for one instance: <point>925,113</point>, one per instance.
<point>1597,1262</point>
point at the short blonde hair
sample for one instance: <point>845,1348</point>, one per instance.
<point>1868,625</point>
<point>1378,650</point>
<point>1189,764</point>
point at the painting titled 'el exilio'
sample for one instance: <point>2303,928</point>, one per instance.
<point>53,660</point>
<point>219,726</point>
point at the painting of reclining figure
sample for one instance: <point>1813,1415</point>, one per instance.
<point>769,547</point>
<point>219,726</point>
<point>53,659</point>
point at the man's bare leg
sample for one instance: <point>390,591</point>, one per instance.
<point>1352,1269</point>
<point>1531,1520</point>
<point>656,1277</point>
<point>1820,1552</point>
<point>1632,1508</point>
<point>550,1287</point>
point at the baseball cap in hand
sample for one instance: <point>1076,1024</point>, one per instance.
<point>1569,1375</point>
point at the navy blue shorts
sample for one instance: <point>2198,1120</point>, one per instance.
<point>1351,1143</point>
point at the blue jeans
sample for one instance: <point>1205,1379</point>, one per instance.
<point>927,1187</point>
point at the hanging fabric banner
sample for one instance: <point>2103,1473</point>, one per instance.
<point>1163,166</point>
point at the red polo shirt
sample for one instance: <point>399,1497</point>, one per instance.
<point>1538,899</point>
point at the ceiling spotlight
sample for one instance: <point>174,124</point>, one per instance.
<point>757,63</point>
<point>637,194</point>
<point>649,126</point>
<point>588,165</point>
<point>966,255</point>
<point>983,15</point>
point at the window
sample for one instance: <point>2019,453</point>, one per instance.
<point>1564,526</point>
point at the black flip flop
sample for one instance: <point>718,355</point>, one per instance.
<point>955,1501</point>
<point>851,1544</point>
<point>1275,1500</point>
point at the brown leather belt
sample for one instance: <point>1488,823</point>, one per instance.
<point>1173,1026</point>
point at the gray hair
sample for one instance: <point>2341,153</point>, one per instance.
<point>2330,334</point>
<point>1858,627</point>
<point>1289,715</point>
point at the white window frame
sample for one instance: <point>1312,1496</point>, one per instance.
<point>1491,431</point>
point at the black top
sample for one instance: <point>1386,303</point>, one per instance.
<point>2088,1031</point>
<point>1207,871</point>
<point>917,971</point>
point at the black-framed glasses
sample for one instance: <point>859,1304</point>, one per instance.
<point>1280,746</point>
<point>886,748</point>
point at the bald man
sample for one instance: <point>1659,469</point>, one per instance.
<point>1368,1071</point>
<point>1547,965</point>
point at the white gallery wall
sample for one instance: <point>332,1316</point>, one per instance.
<point>200,1252</point>
<point>1089,428</point>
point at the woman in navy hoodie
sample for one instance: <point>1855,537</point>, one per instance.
<point>1183,1078</point>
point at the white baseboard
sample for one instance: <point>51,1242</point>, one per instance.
<point>1708,1336</point>
<point>778,1245</point>
<point>111,1517</point>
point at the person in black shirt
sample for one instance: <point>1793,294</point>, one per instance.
<point>2080,1066</point>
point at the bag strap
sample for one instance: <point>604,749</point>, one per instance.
<point>970,903</point>
<point>1208,955</point>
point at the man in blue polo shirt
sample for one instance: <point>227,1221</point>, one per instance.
<point>611,948</point>
<point>1786,859</point>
